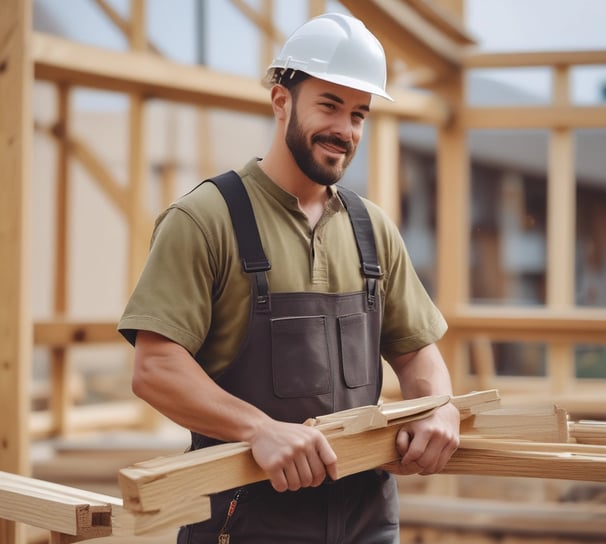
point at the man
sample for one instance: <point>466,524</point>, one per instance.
<point>268,298</point>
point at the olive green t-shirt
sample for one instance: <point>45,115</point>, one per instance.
<point>194,292</point>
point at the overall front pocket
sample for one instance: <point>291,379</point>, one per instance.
<point>299,354</point>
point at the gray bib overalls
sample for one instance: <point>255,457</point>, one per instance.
<point>305,354</point>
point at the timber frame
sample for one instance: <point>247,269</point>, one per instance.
<point>435,50</point>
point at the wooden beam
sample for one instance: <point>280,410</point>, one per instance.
<point>57,59</point>
<point>59,398</point>
<point>539,424</point>
<point>362,438</point>
<point>493,457</point>
<point>443,20</point>
<point>453,221</point>
<point>474,59</point>
<point>60,333</point>
<point>417,39</point>
<point>73,515</point>
<point>561,221</point>
<point>82,65</point>
<point>535,117</point>
<point>55,507</point>
<point>384,165</point>
<point>15,217</point>
<point>107,416</point>
<point>539,324</point>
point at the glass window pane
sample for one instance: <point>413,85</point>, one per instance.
<point>590,361</point>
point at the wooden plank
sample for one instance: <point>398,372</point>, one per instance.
<point>529,460</point>
<point>526,117</point>
<point>516,59</point>
<point>15,217</point>
<point>73,514</point>
<point>57,59</point>
<point>588,432</point>
<point>542,424</point>
<point>55,507</point>
<point>149,486</point>
<point>503,517</point>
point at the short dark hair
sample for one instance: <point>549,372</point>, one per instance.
<point>289,78</point>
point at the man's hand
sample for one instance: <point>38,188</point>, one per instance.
<point>427,444</point>
<point>293,455</point>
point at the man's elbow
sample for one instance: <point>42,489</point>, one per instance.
<point>142,380</point>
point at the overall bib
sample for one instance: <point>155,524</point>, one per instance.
<point>305,354</point>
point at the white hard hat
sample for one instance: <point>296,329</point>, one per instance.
<point>336,48</point>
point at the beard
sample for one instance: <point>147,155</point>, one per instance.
<point>327,173</point>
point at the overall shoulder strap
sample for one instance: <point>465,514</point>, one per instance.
<point>365,239</point>
<point>252,255</point>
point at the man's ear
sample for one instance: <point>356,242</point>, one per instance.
<point>280,102</point>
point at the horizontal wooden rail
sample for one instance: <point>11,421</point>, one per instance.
<point>534,117</point>
<point>539,324</point>
<point>531,58</point>
<point>106,416</point>
<point>57,59</point>
<point>61,333</point>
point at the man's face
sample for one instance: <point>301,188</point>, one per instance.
<point>325,128</point>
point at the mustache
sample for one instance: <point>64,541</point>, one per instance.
<point>333,140</point>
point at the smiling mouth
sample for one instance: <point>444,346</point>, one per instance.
<point>333,145</point>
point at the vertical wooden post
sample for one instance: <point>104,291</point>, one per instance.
<point>267,42</point>
<point>59,364</point>
<point>137,166</point>
<point>384,162</point>
<point>561,229</point>
<point>16,75</point>
<point>453,218</point>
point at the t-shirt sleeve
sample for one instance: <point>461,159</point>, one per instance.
<point>173,295</point>
<point>411,320</point>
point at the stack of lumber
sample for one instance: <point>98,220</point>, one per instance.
<point>172,490</point>
<point>498,441</point>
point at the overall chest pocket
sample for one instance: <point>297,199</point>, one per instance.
<point>300,356</point>
<point>357,351</point>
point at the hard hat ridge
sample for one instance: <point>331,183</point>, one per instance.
<point>336,48</point>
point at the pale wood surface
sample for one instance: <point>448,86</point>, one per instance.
<point>489,515</point>
<point>15,188</point>
<point>148,486</point>
<point>55,507</point>
<point>525,117</point>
